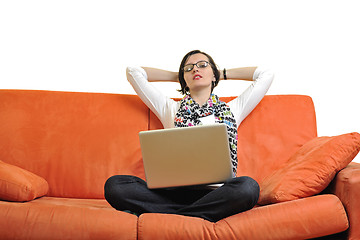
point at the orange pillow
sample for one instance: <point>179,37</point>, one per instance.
<point>20,185</point>
<point>310,170</point>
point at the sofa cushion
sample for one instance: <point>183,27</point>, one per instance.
<point>273,132</point>
<point>65,218</point>
<point>300,219</point>
<point>20,185</point>
<point>74,140</point>
<point>310,169</point>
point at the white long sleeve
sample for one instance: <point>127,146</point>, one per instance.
<point>242,106</point>
<point>162,106</point>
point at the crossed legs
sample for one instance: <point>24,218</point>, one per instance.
<point>124,192</point>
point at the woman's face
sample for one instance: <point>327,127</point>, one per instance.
<point>199,78</point>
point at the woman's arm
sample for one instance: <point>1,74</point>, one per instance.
<point>159,75</point>
<point>244,73</point>
<point>159,104</point>
<point>248,100</point>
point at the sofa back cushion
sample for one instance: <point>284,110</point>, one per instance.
<point>271,133</point>
<point>73,140</point>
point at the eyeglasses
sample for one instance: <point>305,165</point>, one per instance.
<point>200,64</point>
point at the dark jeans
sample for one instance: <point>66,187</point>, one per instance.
<point>125,192</point>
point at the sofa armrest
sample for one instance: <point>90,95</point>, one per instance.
<point>346,186</point>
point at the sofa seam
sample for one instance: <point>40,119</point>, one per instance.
<point>138,226</point>
<point>214,227</point>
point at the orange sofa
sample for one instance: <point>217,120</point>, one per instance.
<point>58,148</point>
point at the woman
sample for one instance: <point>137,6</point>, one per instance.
<point>198,76</point>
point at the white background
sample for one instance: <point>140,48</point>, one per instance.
<point>313,46</point>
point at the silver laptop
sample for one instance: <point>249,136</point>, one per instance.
<point>186,156</point>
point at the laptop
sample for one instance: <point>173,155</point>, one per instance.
<point>186,156</point>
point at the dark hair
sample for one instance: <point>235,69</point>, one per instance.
<point>184,88</point>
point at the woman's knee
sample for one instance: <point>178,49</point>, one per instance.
<point>118,184</point>
<point>246,188</point>
<point>111,187</point>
